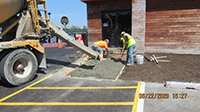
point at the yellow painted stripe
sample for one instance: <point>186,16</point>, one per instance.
<point>13,94</point>
<point>64,103</point>
<point>126,87</point>
<point>134,109</point>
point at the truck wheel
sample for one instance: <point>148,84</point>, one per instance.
<point>18,67</point>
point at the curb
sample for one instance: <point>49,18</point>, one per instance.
<point>120,73</point>
<point>183,85</point>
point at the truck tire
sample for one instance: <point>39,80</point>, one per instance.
<point>18,67</point>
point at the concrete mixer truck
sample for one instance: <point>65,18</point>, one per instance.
<point>22,23</point>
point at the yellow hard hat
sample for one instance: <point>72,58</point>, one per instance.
<point>121,39</point>
<point>123,32</point>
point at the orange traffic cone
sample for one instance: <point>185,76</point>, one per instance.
<point>59,43</point>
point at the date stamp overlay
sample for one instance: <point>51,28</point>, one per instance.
<point>163,95</point>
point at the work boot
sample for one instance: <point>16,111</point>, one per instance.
<point>101,57</point>
<point>129,64</point>
<point>87,58</point>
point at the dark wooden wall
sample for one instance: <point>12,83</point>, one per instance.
<point>173,26</point>
<point>94,9</point>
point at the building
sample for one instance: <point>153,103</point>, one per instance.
<point>164,26</point>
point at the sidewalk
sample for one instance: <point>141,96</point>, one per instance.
<point>189,103</point>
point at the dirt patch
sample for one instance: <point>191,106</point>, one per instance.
<point>181,67</point>
<point>107,69</point>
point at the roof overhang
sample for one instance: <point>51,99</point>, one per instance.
<point>93,0</point>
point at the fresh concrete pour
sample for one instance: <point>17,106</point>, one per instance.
<point>107,69</point>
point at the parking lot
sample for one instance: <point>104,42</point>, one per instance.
<point>56,93</point>
<point>52,90</point>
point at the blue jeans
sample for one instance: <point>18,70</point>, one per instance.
<point>130,52</point>
<point>96,48</point>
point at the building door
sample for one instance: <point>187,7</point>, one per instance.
<point>113,23</point>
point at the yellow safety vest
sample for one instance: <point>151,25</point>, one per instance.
<point>131,40</point>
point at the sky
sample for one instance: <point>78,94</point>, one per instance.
<point>75,10</point>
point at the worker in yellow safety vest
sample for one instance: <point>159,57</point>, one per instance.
<point>129,43</point>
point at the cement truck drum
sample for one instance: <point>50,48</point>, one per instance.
<point>18,67</point>
<point>9,8</point>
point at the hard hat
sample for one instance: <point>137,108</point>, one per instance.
<point>107,40</point>
<point>121,39</point>
<point>123,32</point>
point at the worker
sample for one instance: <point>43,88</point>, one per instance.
<point>129,43</point>
<point>97,46</point>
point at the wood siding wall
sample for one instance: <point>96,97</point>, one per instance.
<point>94,10</point>
<point>173,26</point>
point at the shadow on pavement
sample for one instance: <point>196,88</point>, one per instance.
<point>87,67</point>
<point>5,84</point>
<point>66,64</point>
<point>119,60</point>
<point>57,62</point>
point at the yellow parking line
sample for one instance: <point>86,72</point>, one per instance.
<point>136,97</point>
<point>134,104</point>
<point>13,94</point>
<point>126,87</point>
<point>65,103</point>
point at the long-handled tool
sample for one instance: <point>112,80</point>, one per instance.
<point>156,61</point>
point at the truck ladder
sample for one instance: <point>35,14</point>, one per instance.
<point>44,3</point>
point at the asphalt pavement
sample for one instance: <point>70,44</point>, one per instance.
<point>57,58</point>
<point>57,92</point>
<point>53,91</point>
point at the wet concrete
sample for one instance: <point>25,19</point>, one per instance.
<point>107,69</point>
